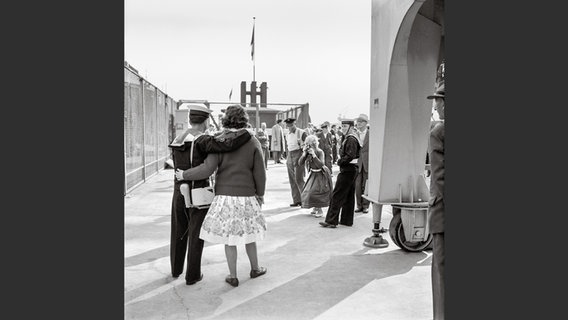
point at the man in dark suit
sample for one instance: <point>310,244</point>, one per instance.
<point>334,143</point>
<point>436,204</point>
<point>325,144</point>
<point>363,164</point>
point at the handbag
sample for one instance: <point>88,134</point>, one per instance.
<point>202,197</point>
<point>199,198</point>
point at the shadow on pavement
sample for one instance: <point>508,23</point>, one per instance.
<point>313,293</point>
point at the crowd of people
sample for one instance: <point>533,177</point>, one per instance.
<point>314,151</point>
<point>239,163</point>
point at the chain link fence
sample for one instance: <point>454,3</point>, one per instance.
<point>148,128</point>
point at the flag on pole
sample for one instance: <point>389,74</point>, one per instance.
<point>230,94</point>
<point>252,45</point>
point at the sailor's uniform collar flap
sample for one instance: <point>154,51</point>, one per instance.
<point>182,139</point>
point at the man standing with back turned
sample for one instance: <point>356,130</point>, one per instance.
<point>436,204</point>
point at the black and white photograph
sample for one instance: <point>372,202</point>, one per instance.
<point>284,159</point>
<point>249,159</point>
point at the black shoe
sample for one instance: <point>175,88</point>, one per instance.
<point>327,225</point>
<point>347,225</point>
<point>257,273</point>
<point>296,204</point>
<point>232,281</point>
<point>175,276</point>
<point>359,210</point>
<point>190,282</point>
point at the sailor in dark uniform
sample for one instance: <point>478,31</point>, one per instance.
<point>343,196</point>
<point>186,222</point>
<point>436,207</point>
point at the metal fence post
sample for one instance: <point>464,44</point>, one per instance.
<point>143,131</point>
<point>156,149</point>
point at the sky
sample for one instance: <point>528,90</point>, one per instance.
<point>307,51</point>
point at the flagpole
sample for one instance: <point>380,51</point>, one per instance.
<point>252,43</point>
<point>253,75</point>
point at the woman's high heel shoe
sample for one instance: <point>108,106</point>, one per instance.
<point>232,281</point>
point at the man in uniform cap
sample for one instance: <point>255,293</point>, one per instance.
<point>343,196</point>
<point>436,204</point>
<point>363,164</point>
<point>295,142</point>
<point>440,93</point>
<point>325,143</point>
<point>198,113</point>
<point>186,222</point>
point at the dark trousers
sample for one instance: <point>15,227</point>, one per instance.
<point>360,182</point>
<point>185,227</point>
<point>438,275</point>
<point>328,159</point>
<point>334,152</point>
<point>276,155</point>
<point>265,156</point>
<point>296,173</point>
<point>343,197</point>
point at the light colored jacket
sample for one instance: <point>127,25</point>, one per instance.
<point>277,140</point>
<point>364,154</point>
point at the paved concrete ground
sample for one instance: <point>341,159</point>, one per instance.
<point>313,272</point>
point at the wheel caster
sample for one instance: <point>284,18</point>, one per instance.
<point>396,233</point>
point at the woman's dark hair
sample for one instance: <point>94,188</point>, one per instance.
<point>235,117</point>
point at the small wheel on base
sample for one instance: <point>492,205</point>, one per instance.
<point>396,233</point>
